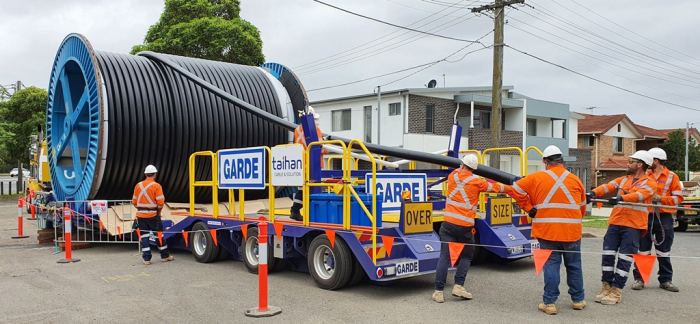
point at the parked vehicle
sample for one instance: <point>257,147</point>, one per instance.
<point>691,198</point>
<point>15,172</point>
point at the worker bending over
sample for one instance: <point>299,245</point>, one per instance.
<point>668,193</point>
<point>299,138</point>
<point>556,201</point>
<point>149,201</point>
<point>626,225</point>
<point>458,226</point>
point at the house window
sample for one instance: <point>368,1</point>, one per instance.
<point>617,144</point>
<point>482,119</point>
<point>429,118</point>
<point>395,109</point>
<point>341,120</point>
<point>531,127</point>
<point>588,141</point>
<point>619,128</point>
<point>368,124</point>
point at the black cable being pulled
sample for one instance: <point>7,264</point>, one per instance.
<point>446,161</point>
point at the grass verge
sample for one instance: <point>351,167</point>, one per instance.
<point>595,221</point>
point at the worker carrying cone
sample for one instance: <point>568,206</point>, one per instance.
<point>556,201</point>
<point>626,225</point>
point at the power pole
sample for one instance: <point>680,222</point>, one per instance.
<point>499,21</point>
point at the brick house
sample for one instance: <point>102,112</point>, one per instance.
<point>421,119</point>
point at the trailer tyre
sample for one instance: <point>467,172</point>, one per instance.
<point>250,253</point>
<point>203,247</point>
<point>358,273</point>
<point>330,267</point>
<point>480,253</point>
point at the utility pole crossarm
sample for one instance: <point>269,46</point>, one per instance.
<point>497,5</point>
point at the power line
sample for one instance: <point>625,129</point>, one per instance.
<point>600,81</point>
<point>394,25</point>
<point>397,80</point>
<point>303,66</point>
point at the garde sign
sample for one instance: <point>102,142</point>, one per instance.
<point>242,168</point>
<point>287,165</point>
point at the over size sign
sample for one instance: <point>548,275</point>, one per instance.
<point>417,217</point>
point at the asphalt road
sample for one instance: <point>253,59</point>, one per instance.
<point>111,285</point>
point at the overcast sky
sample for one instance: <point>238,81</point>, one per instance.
<point>648,47</point>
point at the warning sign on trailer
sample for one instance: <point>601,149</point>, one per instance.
<point>416,217</point>
<point>99,206</point>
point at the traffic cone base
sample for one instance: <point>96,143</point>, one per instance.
<point>68,261</point>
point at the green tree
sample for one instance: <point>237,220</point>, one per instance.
<point>206,29</point>
<point>675,151</point>
<point>21,117</point>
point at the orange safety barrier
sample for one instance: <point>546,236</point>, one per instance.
<point>20,224</point>
<point>263,310</point>
<point>67,236</point>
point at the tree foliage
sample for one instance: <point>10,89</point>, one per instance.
<point>675,151</point>
<point>20,117</point>
<point>207,29</point>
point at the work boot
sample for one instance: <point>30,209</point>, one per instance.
<point>147,262</point>
<point>438,297</point>
<point>604,292</point>
<point>459,291</point>
<point>638,285</point>
<point>612,298</point>
<point>170,258</point>
<point>550,309</point>
<point>580,305</point>
<point>296,216</point>
<point>667,285</point>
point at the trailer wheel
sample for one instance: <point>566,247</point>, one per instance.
<point>682,227</point>
<point>203,247</point>
<point>250,253</point>
<point>330,267</point>
<point>480,253</point>
<point>358,273</point>
<point>223,254</point>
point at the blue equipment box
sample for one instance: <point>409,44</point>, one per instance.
<point>328,208</point>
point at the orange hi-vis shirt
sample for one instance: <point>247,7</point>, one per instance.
<point>668,186</point>
<point>638,192</point>
<point>560,199</point>
<point>299,138</point>
<point>148,198</point>
<point>463,200</point>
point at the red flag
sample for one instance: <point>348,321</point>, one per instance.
<point>244,229</point>
<point>185,236</point>
<point>278,229</point>
<point>138,232</point>
<point>600,205</point>
<point>101,227</point>
<point>645,264</point>
<point>119,232</point>
<point>331,237</point>
<point>87,219</point>
<point>541,257</point>
<point>213,236</point>
<point>388,243</point>
<point>160,238</point>
<point>455,251</point>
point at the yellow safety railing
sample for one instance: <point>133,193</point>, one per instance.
<point>213,183</point>
<point>373,215</point>
<point>527,150</point>
<point>482,201</point>
<point>270,193</point>
<point>307,182</point>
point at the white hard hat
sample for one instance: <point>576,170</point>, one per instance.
<point>658,153</point>
<point>311,110</point>
<point>551,150</point>
<point>643,156</point>
<point>317,116</point>
<point>471,161</point>
<point>150,169</point>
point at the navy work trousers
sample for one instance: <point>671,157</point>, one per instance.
<point>297,200</point>
<point>622,241</point>
<point>663,233</point>
<point>454,233</point>
<point>571,252</point>
<point>149,228</point>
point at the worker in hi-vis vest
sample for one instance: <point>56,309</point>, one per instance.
<point>458,224</point>
<point>299,138</point>
<point>556,201</point>
<point>149,201</point>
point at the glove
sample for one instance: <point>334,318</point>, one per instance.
<point>590,195</point>
<point>655,198</point>
<point>532,213</point>
<point>614,200</point>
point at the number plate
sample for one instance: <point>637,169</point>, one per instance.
<point>501,211</point>
<point>516,249</point>
<point>691,212</point>
<point>405,268</point>
<point>534,245</point>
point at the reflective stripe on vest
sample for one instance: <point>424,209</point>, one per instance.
<point>144,194</point>
<point>557,220</point>
<point>460,217</point>
<point>668,184</point>
<point>460,189</point>
<point>558,184</point>
<point>301,137</point>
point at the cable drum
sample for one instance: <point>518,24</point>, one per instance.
<point>109,115</point>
